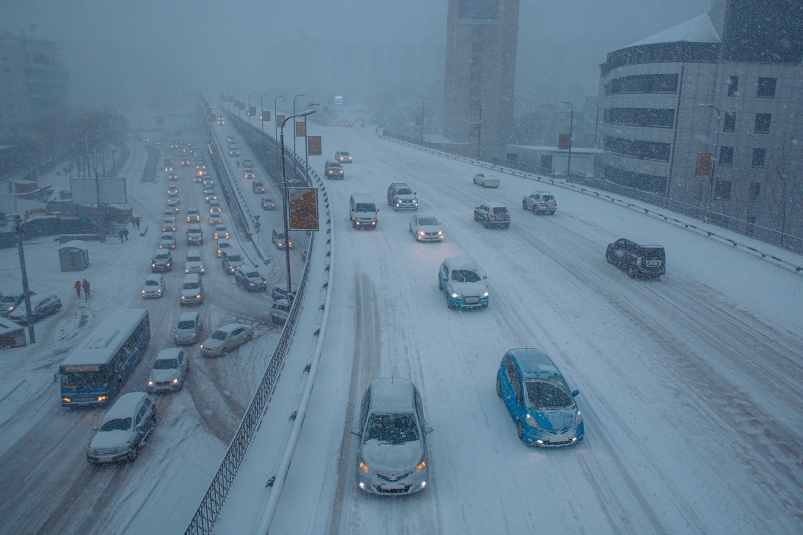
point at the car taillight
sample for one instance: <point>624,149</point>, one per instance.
<point>490,215</point>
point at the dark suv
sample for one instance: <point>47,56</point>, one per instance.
<point>637,260</point>
<point>492,215</point>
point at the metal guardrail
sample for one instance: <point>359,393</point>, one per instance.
<point>769,236</point>
<point>205,516</point>
<point>589,191</point>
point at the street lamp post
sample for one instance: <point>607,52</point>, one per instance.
<point>275,124</point>
<point>306,145</point>
<point>295,172</point>
<point>713,164</point>
<point>262,111</point>
<point>571,127</point>
<point>286,203</point>
<point>18,228</point>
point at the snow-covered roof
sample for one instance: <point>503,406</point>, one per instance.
<point>169,353</point>
<point>392,395</point>
<point>534,363</point>
<point>104,341</point>
<point>697,30</point>
<point>459,262</point>
<point>125,406</point>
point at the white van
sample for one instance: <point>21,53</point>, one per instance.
<point>362,211</point>
<point>194,263</point>
<point>192,290</point>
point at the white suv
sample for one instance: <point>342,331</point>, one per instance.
<point>124,429</point>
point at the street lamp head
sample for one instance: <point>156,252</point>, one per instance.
<point>306,112</point>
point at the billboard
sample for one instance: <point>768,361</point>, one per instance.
<point>303,208</point>
<point>563,142</point>
<point>252,110</point>
<point>265,117</point>
<point>280,120</point>
<point>703,164</point>
<point>112,191</point>
<point>301,129</point>
<point>314,146</point>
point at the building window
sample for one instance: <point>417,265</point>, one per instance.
<point>733,86</point>
<point>763,121</point>
<point>661,118</point>
<point>645,83</point>
<point>546,161</point>
<point>730,123</point>
<point>644,150</point>
<point>722,191</point>
<point>651,183</point>
<point>726,156</point>
<point>766,87</point>
<point>759,155</point>
<point>755,190</point>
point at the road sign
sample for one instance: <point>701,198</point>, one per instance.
<point>303,208</point>
<point>314,145</point>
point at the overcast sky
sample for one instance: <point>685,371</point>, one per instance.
<point>167,45</point>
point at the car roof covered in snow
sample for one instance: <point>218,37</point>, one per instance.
<point>392,395</point>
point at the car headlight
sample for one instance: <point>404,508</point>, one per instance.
<point>455,295</point>
<point>364,467</point>
<point>420,232</point>
<point>421,466</point>
<point>198,296</point>
<point>485,294</point>
<point>440,233</point>
<point>578,419</point>
<point>143,292</point>
<point>182,297</point>
<point>150,383</point>
<point>531,421</point>
<point>152,265</point>
<point>174,381</point>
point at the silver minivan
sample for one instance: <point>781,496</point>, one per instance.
<point>392,455</point>
<point>192,290</point>
<point>363,211</point>
<point>188,329</point>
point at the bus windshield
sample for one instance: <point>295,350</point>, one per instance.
<point>84,379</point>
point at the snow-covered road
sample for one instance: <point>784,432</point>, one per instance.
<point>691,385</point>
<point>51,488</point>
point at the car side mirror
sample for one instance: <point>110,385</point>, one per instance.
<point>377,209</point>
<point>575,393</point>
<point>427,430</point>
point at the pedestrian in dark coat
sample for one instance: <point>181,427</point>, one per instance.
<point>137,221</point>
<point>126,234</point>
<point>121,234</point>
<point>78,288</point>
<point>86,288</point>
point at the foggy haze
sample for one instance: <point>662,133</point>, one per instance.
<point>139,54</point>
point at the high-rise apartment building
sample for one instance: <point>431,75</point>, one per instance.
<point>727,83</point>
<point>33,82</point>
<point>480,74</point>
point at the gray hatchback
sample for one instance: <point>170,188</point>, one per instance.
<point>392,455</point>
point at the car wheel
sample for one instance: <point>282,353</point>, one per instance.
<point>132,455</point>
<point>609,258</point>
<point>523,205</point>
<point>520,430</point>
<point>498,387</point>
<point>631,271</point>
<point>552,212</point>
<point>485,223</point>
<point>249,338</point>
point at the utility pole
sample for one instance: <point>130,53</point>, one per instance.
<point>707,217</point>
<point>275,123</point>
<point>571,126</point>
<point>27,295</point>
<point>306,136</point>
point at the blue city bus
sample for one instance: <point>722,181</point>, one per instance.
<point>96,370</point>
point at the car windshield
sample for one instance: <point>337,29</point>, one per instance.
<point>165,364</point>
<point>235,258</point>
<point>334,164</point>
<point>253,275</point>
<point>162,257</point>
<point>223,245</point>
<point>118,424</point>
<point>8,299</point>
<point>151,283</point>
<point>344,154</point>
<point>191,285</point>
<point>365,207</point>
<point>427,221</point>
<point>193,259</point>
<point>167,237</point>
<point>404,191</point>
<point>280,235</point>
<point>464,275</point>
<point>392,428</point>
<point>218,335</point>
<point>194,231</point>
<point>189,324</point>
<point>500,210</point>
<point>548,393</point>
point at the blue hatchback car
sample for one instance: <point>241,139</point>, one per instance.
<point>538,399</point>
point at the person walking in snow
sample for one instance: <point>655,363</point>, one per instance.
<point>126,234</point>
<point>121,235</point>
<point>85,285</point>
<point>78,288</point>
<point>137,221</point>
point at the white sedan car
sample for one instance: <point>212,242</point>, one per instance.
<point>485,182</point>
<point>154,286</point>
<point>227,338</point>
<point>426,228</point>
<point>169,370</point>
